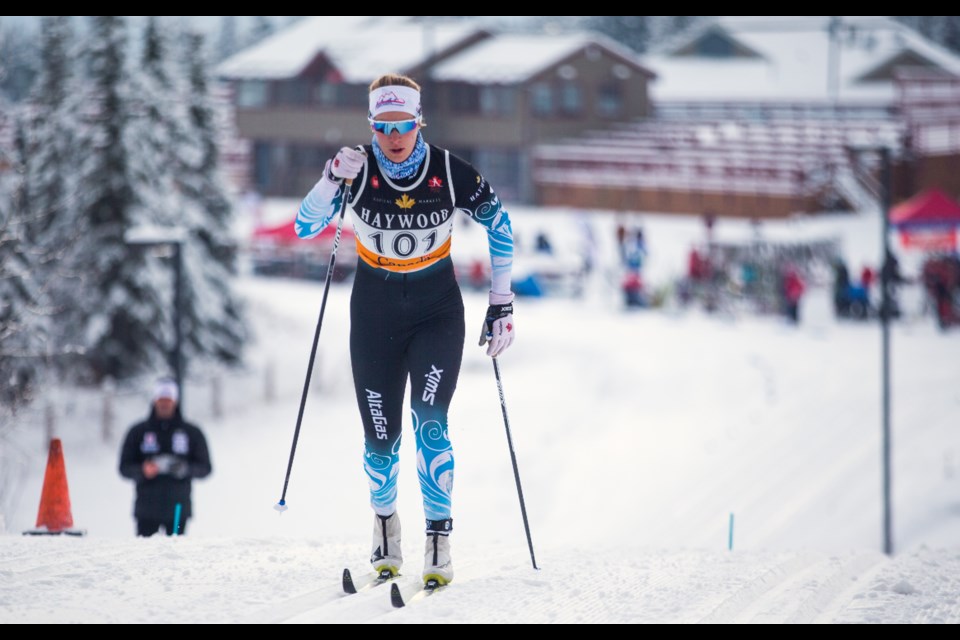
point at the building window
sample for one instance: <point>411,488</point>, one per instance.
<point>501,168</point>
<point>498,101</point>
<point>429,100</point>
<point>567,72</point>
<point>541,99</point>
<point>571,99</point>
<point>464,153</point>
<point>336,94</point>
<point>285,169</point>
<point>325,94</point>
<point>465,98</point>
<point>296,91</point>
<point>610,100</point>
<point>252,94</point>
<point>351,95</point>
<point>261,166</point>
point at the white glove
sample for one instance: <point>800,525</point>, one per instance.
<point>346,165</point>
<point>171,465</point>
<point>498,331</point>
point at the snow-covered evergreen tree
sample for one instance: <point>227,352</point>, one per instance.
<point>136,148</point>
<point>213,324</point>
<point>52,136</point>
<point>22,328</point>
<point>180,129</point>
<point>633,31</point>
<point>157,114</point>
<point>262,28</point>
<point>944,30</point>
<point>126,316</point>
<point>53,225</point>
<point>227,43</point>
<point>19,61</point>
<point>951,33</point>
<point>641,33</point>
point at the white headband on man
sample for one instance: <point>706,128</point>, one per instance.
<point>394,98</point>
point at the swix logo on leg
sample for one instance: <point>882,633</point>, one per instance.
<point>433,381</point>
<point>375,402</point>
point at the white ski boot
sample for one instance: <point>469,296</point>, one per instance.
<point>386,554</point>
<point>437,564</point>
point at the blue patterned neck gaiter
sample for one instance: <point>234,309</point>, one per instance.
<point>405,169</point>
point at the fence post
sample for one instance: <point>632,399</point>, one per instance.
<point>106,425</point>
<point>50,427</point>
<point>269,383</point>
<point>216,396</point>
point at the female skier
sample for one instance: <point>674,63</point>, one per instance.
<point>406,311</point>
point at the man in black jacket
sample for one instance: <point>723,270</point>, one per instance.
<point>162,454</point>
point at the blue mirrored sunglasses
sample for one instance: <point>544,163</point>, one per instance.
<point>401,126</point>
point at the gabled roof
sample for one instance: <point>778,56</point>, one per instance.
<point>359,47</point>
<point>794,62</point>
<point>511,59</point>
<point>287,52</point>
<point>715,33</point>
<point>884,71</point>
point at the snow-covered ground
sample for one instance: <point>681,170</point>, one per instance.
<point>637,434</point>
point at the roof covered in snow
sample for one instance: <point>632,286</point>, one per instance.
<point>788,58</point>
<point>360,47</point>
<point>510,59</point>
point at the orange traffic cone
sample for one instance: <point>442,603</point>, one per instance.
<point>54,514</point>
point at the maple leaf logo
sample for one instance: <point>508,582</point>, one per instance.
<point>405,202</point>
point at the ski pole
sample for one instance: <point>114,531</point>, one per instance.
<point>513,458</point>
<point>282,505</point>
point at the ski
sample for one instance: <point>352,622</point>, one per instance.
<point>398,600</point>
<point>351,586</point>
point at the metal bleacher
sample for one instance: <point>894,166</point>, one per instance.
<point>789,152</point>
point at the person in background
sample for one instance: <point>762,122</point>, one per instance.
<point>162,455</point>
<point>543,243</point>
<point>890,278</point>
<point>867,278</point>
<point>636,252</point>
<point>793,289</point>
<point>621,240</point>
<point>841,288</point>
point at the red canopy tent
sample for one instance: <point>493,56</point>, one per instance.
<point>932,207</point>
<point>277,251</point>
<point>285,235</point>
<point>927,221</point>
